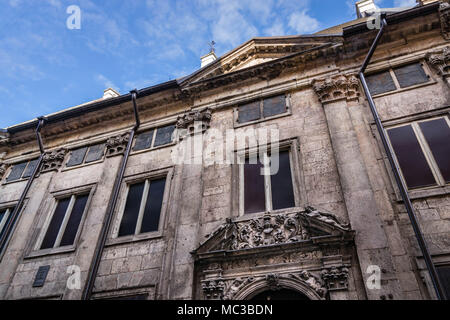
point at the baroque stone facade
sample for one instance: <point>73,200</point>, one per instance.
<point>345,222</point>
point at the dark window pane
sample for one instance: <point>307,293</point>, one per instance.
<point>274,105</point>
<point>74,221</point>
<point>29,170</point>
<point>282,190</point>
<point>135,297</point>
<point>380,83</point>
<point>164,135</point>
<point>16,172</point>
<point>55,224</point>
<point>77,157</point>
<point>152,213</point>
<point>410,75</point>
<point>444,277</point>
<point>249,112</point>
<point>2,214</point>
<point>131,213</point>
<point>144,141</point>
<point>437,134</point>
<point>254,199</point>
<point>95,153</point>
<point>412,161</point>
<point>8,219</point>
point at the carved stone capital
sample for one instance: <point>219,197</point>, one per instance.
<point>337,88</point>
<point>213,289</point>
<point>117,145</point>
<point>440,60</point>
<point>2,170</point>
<point>194,122</point>
<point>335,278</point>
<point>444,16</point>
<point>53,160</point>
<point>312,281</point>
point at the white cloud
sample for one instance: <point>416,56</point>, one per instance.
<point>404,3</point>
<point>103,80</point>
<point>277,29</point>
<point>302,23</point>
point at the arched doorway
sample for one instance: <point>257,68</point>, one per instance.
<point>282,294</point>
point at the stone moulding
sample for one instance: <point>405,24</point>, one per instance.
<point>53,160</point>
<point>444,16</point>
<point>337,88</point>
<point>2,170</point>
<point>335,277</point>
<point>186,124</point>
<point>440,60</point>
<point>116,145</point>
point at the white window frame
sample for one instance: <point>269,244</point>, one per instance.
<point>73,195</point>
<point>426,150</point>
<point>243,155</point>
<point>147,177</point>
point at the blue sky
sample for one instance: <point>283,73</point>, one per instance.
<point>126,44</point>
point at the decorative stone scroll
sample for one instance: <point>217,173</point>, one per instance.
<point>2,170</point>
<point>186,124</point>
<point>440,61</point>
<point>53,160</point>
<point>117,145</point>
<point>337,88</point>
<point>336,278</point>
<point>444,16</point>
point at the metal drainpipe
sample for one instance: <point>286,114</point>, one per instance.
<point>111,207</point>
<point>15,214</point>
<point>400,183</point>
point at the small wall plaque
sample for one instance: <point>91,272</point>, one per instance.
<point>41,275</point>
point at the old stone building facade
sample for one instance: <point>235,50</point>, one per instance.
<point>319,228</point>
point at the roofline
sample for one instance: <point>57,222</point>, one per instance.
<point>91,107</point>
<point>394,18</point>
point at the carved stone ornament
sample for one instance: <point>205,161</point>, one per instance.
<point>116,145</point>
<point>336,278</point>
<point>337,88</point>
<point>2,170</point>
<point>444,16</point>
<point>440,61</point>
<point>53,160</point>
<point>193,122</point>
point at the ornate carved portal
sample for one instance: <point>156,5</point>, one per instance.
<point>307,251</point>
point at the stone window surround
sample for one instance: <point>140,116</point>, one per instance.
<point>113,238</point>
<point>425,149</point>
<point>45,216</point>
<point>261,97</point>
<point>292,145</point>
<point>439,260</point>
<point>126,292</point>
<point>10,165</point>
<point>83,164</point>
<point>419,192</point>
<point>153,127</point>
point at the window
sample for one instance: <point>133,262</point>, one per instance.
<point>397,78</point>
<point>261,109</point>
<point>444,277</point>
<point>143,207</point>
<point>422,149</point>
<point>261,192</point>
<point>22,170</point>
<point>149,139</point>
<point>5,218</point>
<point>86,155</point>
<point>65,222</point>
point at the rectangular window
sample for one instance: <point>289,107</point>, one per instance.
<point>143,207</point>
<point>86,155</point>
<point>444,277</point>
<point>65,222</point>
<point>22,170</point>
<point>397,78</point>
<point>150,139</point>
<point>5,217</point>
<point>422,149</point>
<point>267,192</point>
<point>263,108</point>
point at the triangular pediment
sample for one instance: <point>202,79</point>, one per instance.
<point>258,51</point>
<point>268,230</point>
